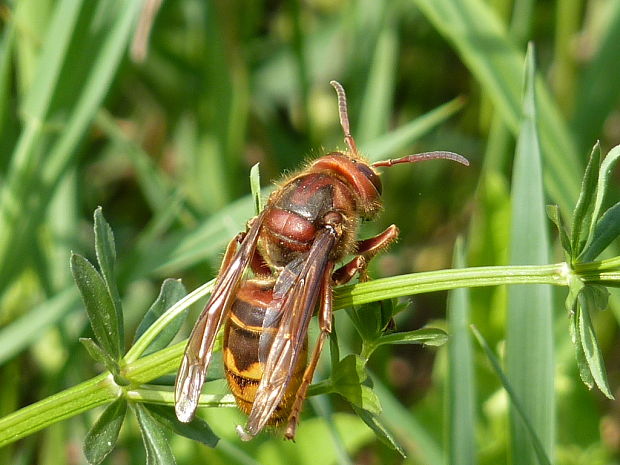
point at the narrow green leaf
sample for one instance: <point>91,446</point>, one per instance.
<point>106,257</point>
<point>589,342</point>
<point>99,355</point>
<point>255,188</point>
<point>584,208</point>
<point>381,431</point>
<point>172,290</point>
<point>426,336</point>
<point>460,395</point>
<point>606,231</point>
<point>580,356</point>
<point>155,441</point>
<point>529,338</point>
<point>197,429</point>
<point>102,437</point>
<point>99,305</point>
<point>515,400</point>
<point>104,246</point>
<point>604,175</point>
<point>554,214</point>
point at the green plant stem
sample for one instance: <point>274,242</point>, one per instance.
<point>165,396</point>
<point>609,264</point>
<point>611,279</point>
<point>151,333</point>
<point>68,403</point>
<point>442,280</point>
<point>154,365</point>
<point>101,389</point>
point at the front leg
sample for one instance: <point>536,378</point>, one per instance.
<point>373,245</point>
<point>366,250</point>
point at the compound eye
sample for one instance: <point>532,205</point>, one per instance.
<point>371,175</point>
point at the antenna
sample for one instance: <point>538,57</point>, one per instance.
<point>416,157</point>
<point>344,116</point>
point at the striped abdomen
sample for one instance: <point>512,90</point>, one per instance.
<point>241,348</point>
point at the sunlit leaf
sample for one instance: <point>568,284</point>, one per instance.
<point>461,391</point>
<point>101,439</point>
<point>584,209</point>
<point>106,257</point>
<point>172,290</point>
<point>580,356</point>
<point>590,344</point>
<point>99,305</point>
<point>197,429</point>
<point>529,332</point>
<point>604,176</point>
<point>425,336</point>
<point>554,214</point>
<point>155,441</point>
<point>606,231</point>
<point>380,430</point>
<point>99,355</point>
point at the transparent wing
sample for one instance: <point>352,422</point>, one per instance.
<point>273,313</point>
<point>297,309</point>
<point>200,344</point>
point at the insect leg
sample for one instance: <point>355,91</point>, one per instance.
<point>325,325</point>
<point>366,250</point>
<point>231,249</point>
<point>373,245</point>
<point>346,272</point>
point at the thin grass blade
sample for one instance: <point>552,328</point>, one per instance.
<point>529,338</point>
<point>539,449</point>
<point>461,390</point>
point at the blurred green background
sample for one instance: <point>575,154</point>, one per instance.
<point>161,129</point>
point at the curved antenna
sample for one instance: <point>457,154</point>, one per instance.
<point>344,116</point>
<point>416,157</point>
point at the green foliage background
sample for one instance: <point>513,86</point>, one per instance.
<point>165,144</point>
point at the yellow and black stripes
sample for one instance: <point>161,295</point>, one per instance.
<point>242,338</point>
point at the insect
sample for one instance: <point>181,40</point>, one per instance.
<point>308,225</point>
